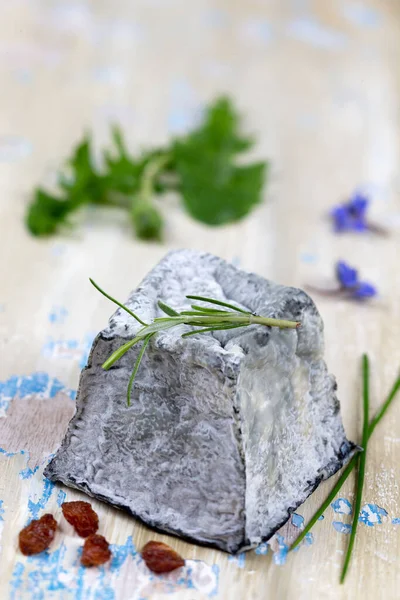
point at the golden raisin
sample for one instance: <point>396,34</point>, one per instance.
<point>38,535</point>
<point>161,558</point>
<point>96,551</point>
<point>82,516</point>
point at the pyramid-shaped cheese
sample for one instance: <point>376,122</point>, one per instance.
<point>228,432</point>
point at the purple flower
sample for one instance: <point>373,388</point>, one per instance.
<point>348,279</point>
<point>351,216</point>
<point>346,275</point>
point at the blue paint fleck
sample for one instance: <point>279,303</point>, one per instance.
<point>46,576</point>
<point>297,520</point>
<point>361,15</point>
<point>181,119</point>
<point>121,552</point>
<point>283,549</point>
<point>69,349</point>
<point>10,454</point>
<point>23,76</point>
<point>2,511</point>
<point>184,107</point>
<point>26,385</point>
<point>28,472</point>
<point>342,506</point>
<point>14,148</point>
<point>235,261</point>
<point>371,515</point>
<point>262,549</point>
<point>35,507</point>
<point>321,518</point>
<point>61,497</point>
<point>396,521</point>
<point>308,258</point>
<point>257,30</point>
<point>310,31</point>
<point>16,580</point>
<point>238,559</point>
<point>114,75</point>
<point>58,249</point>
<point>58,314</point>
<point>341,527</point>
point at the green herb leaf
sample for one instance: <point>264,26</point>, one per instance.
<point>47,213</point>
<point>167,309</point>
<point>214,188</point>
<point>200,166</point>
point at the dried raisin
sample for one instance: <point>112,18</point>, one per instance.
<point>161,558</point>
<point>38,535</point>
<point>96,551</point>
<point>82,516</point>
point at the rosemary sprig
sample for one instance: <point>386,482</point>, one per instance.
<point>335,490</point>
<point>204,318</point>
<point>361,467</point>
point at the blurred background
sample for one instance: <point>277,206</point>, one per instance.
<point>317,83</point>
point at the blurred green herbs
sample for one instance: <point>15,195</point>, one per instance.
<point>199,166</point>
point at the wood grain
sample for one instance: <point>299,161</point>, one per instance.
<point>319,84</point>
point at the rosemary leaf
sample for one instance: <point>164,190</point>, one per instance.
<point>136,367</point>
<point>219,303</point>
<point>218,328</point>
<point>211,311</point>
<point>125,308</point>
<point>168,310</point>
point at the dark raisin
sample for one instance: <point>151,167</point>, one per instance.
<point>38,535</point>
<point>96,551</point>
<point>82,516</point>
<point>161,558</point>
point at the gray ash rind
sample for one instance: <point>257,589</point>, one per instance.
<point>228,431</point>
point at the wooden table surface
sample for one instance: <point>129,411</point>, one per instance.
<point>319,83</point>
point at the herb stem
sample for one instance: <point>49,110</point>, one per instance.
<point>136,367</point>
<point>326,503</point>
<point>335,490</point>
<point>361,467</point>
<point>150,172</point>
<point>125,308</point>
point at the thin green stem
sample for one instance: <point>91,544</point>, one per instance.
<point>136,367</point>
<point>326,503</point>
<point>381,412</point>
<point>219,303</point>
<point>153,168</point>
<point>335,490</point>
<point>125,308</point>
<point>361,468</point>
<point>220,328</point>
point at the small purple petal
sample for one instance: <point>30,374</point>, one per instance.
<point>357,206</point>
<point>364,290</point>
<point>346,275</point>
<point>351,216</point>
<point>341,218</point>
